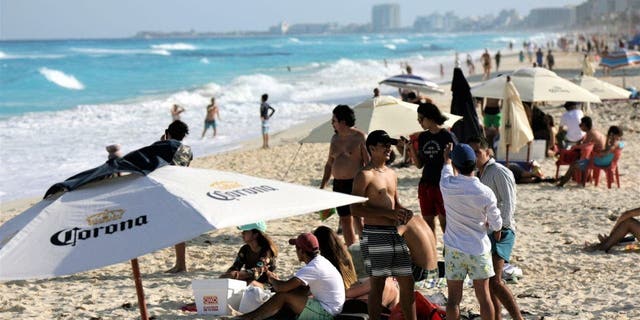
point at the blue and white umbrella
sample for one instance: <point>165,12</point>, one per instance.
<point>412,82</point>
<point>621,59</point>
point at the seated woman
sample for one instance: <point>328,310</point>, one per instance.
<point>258,253</point>
<point>624,224</point>
<point>334,250</point>
<point>604,158</point>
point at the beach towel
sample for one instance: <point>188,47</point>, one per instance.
<point>425,309</point>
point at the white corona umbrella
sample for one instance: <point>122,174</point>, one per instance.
<point>119,219</point>
<point>387,113</point>
<point>535,85</point>
<point>603,89</point>
<point>412,82</point>
<point>515,131</point>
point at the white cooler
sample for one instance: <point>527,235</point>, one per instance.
<point>214,295</point>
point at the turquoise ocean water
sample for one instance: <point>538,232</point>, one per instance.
<point>62,101</point>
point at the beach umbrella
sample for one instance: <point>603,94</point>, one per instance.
<point>603,89</point>
<point>412,82</point>
<point>535,85</point>
<point>621,59</point>
<point>118,219</point>
<point>515,131</point>
<point>387,113</point>
<point>462,104</point>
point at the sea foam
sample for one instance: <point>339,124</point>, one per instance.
<point>62,79</point>
<point>174,46</point>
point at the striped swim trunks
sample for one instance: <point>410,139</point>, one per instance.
<point>385,252</point>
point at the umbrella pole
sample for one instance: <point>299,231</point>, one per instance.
<point>506,155</point>
<point>142,304</point>
<point>528,151</point>
<point>291,164</point>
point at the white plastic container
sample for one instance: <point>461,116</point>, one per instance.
<point>214,295</point>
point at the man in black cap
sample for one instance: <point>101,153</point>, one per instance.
<point>384,250</point>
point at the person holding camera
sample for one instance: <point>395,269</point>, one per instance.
<point>472,212</point>
<point>257,256</point>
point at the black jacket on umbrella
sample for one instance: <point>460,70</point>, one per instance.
<point>141,161</point>
<point>462,104</point>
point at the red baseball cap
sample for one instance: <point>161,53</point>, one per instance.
<point>306,241</point>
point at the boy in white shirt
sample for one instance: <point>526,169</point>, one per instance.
<point>472,210</point>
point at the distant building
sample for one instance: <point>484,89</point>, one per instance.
<point>603,11</point>
<point>385,17</point>
<point>430,23</point>
<point>549,17</point>
<point>282,28</point>
<point>312,28</point>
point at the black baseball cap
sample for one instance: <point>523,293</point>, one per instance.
<point>380,136</point>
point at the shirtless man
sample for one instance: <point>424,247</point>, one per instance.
<point>210,120</point>
<point>385,252</point>
<point>592,136</point>
<point>486,64</point>
<point>176,110</point>
<point>347,154</point>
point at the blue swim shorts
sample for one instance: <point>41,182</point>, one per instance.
<point>503,248</point>
<point>209,124</point>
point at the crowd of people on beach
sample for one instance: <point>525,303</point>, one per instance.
<point>386,248</point>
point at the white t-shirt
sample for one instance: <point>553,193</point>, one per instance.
<point>325,283</point>
<point>571,119</point>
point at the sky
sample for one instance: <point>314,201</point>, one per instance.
<point>64,19</point>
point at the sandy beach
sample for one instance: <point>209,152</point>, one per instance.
<point>560,280</point>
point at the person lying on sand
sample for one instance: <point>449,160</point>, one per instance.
<point>624,224</point>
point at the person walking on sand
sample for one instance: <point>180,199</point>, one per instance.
<point>539,57</point>
<point>213,114</point>
<point>502,182</point>
<point>551,60</point>
<point>385,252</point>
<point>266,111</point>
<point>497,57</point>
<point>426,150</point>
<point>176,110</point>
<point>315,292</point>
<point>347,155</point>
<point>472,211</point>
<point>177,130</point>
<point>486,64</point>
<point>470,65</point>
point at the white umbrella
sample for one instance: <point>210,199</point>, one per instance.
<point>603,89</point>
<point>535,85</point>
<point>119,219</point>
<point>515,131</point>
<point>412,82</point>
<point>387,113</point>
